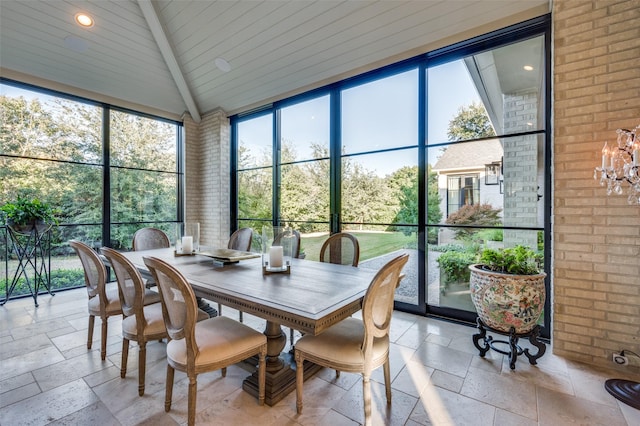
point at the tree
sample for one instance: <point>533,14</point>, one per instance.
<point>471,122</point>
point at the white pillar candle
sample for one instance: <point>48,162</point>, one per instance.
<point>187,244</point>
<point>636,156</point>
<point>275,256</point>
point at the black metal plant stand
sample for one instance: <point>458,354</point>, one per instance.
<point>32,249</point>
<point>514,350</point>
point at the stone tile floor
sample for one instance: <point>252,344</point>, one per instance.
<point>48,377</point>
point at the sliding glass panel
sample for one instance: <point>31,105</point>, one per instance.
<point>142,196</point>
<point>305,130</point>
<point>305,194</point>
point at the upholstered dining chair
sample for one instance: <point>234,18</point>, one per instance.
<point>103,302</point>
<point>140,323</point>
<point>354,345</point>
<point>208,345</point>
<point>341,248</point>
<point>239,240</point>
<point>150,238</point>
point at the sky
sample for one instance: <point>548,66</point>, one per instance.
<point>378,115</point>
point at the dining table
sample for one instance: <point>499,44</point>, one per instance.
<point>311,297</point>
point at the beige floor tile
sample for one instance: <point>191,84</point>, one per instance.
<point>447,381</point>
<point>69,370</point>
<point>414,336</point>
<point>516,396</point>
<point>413,378</point>
<point>559,409</point>
<point>507,418</point>
<point>443,358</point>
<point>396,413</point>
<point>441,407</point>
<point>94,414</point>
<point>49,406</point>
<point>29,361</point>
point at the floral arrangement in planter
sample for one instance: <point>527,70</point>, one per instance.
<point>23,215</point>
<point>507,288</point>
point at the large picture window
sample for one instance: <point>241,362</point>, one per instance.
<point>437,156</point>
<point>106,171</point>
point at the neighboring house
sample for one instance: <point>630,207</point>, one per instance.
<point>470,173</point>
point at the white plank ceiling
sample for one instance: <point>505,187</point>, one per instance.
<point>273,47</point>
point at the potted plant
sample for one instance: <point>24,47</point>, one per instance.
<point>24,215</point>
<point>507,288</point>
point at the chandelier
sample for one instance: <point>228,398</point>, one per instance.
<point>620,164</point>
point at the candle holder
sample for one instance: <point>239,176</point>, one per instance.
<point>277,250</point>
<point>188,243</point>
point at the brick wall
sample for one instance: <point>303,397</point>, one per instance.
<point>596,238</point>
<point>207,148</point>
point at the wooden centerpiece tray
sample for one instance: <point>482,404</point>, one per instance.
<point>227,256</point>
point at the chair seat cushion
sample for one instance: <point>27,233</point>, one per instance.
<point>218,339</point>
<point>341,344</point>
<point>112,305</point>
<point>155,323</point>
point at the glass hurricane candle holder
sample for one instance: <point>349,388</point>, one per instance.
<point>277,249</point>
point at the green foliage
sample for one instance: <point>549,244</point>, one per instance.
<point>476,214</point>
<point>60,279</point>
<point>23,211</point>
<point>471,122</point>
<point>518,260</point>
<point>70,131</point>
<point>454,264</point>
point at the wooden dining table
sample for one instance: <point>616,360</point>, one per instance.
<point>311,298</point>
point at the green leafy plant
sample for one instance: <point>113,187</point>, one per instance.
<point>454,265</point>
<point>23,211</point>
<point>476,214</point>
<point>518,260</point>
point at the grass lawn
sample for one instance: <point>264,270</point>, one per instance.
<point>372,244</point>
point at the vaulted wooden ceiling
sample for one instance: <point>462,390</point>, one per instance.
<point>162,54</point>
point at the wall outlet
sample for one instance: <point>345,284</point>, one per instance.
<point>620,359</point>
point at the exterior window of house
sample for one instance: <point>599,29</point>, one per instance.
<point>107,171</point>
<point>462,191</point>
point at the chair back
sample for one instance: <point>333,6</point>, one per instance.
<point>377,305</point>
<point>296,242</point>
<point>150,238</point>
<point>341,248</point>
<point>179,307</point>
<point>130,284</point>
<point>95,273</point>
<point>241,239</point>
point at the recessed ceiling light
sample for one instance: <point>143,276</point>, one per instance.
<point>84,20</point>
<point>528,68</point>
<point>222,65</point>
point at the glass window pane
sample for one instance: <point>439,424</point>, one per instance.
<point>37,125</point>
<point>255,194</point>
<point>380,188</point>
<point>142,196</point>
<point>305,194</point>
<point>141,142</point>
<point>305,130</point>
<point>255,142</point>
<point>495,92</point>
<point>457,248</point>
<point>381,114</point>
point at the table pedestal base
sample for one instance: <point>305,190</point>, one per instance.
<point>280,383</point>
<point>281,368</point>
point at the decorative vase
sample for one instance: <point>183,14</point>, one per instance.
<point>503,301</point>
<point>25,229</point>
